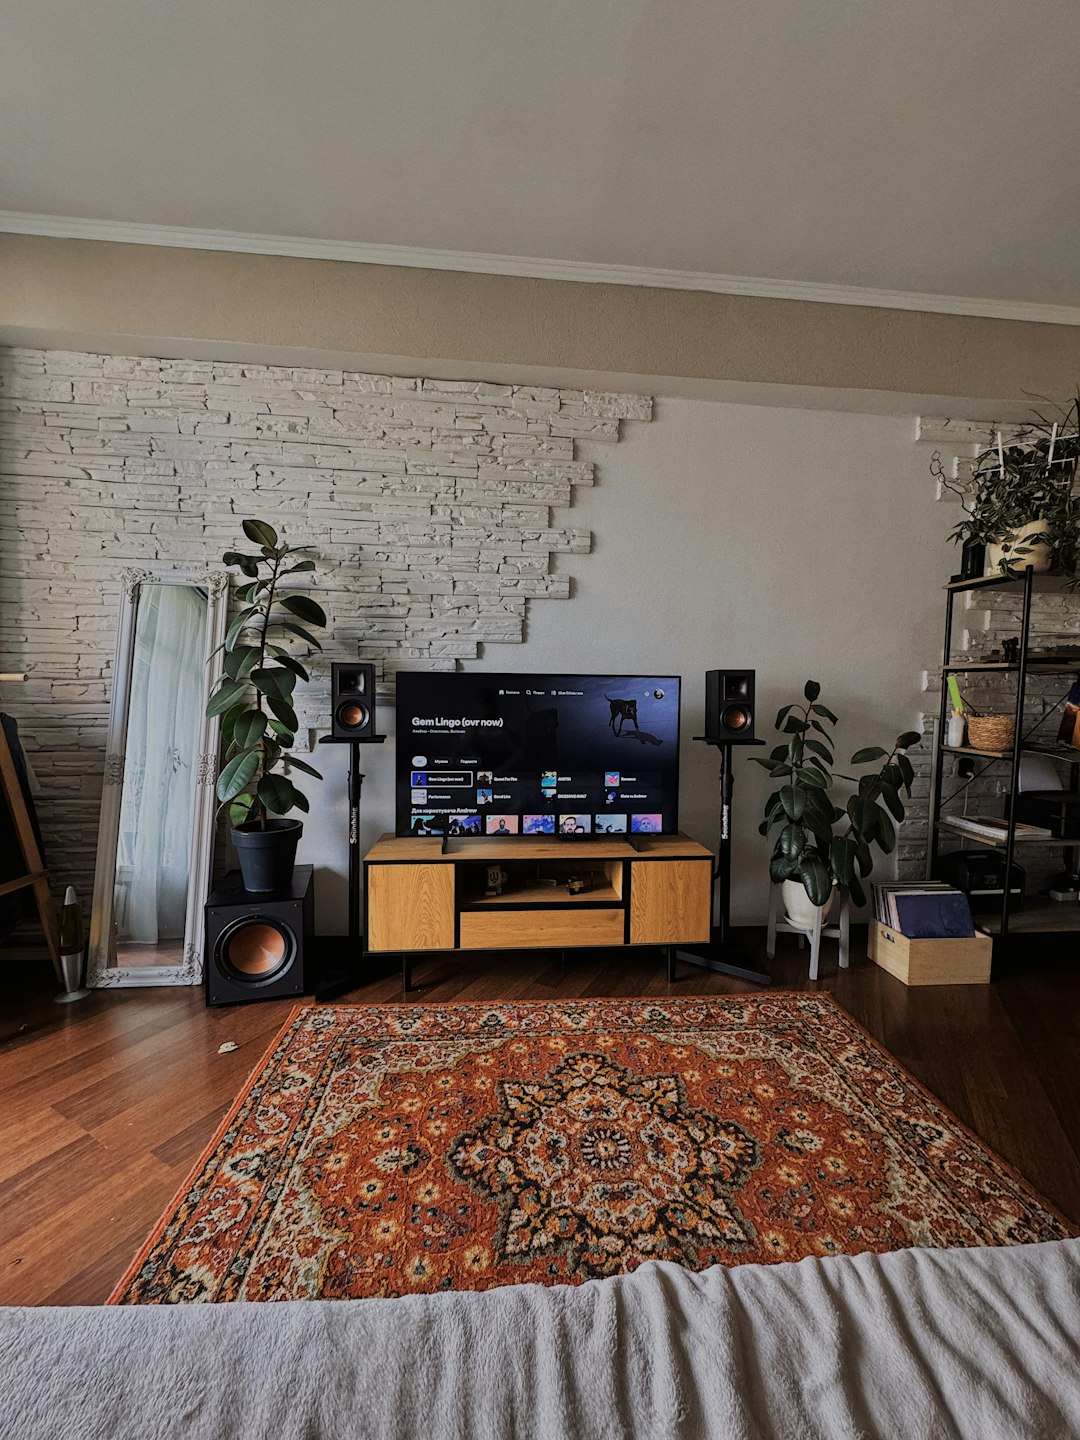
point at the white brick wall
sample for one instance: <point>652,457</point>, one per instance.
<point>429,503</point>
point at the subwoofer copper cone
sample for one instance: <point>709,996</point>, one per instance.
<point>254,951</point>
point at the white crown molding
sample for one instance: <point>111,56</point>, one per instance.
<point>580,271</point>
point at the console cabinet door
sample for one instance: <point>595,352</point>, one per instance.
<point>410,907</point>
<point>670,902</point>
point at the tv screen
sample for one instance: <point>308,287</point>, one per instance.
<point>545,755</point>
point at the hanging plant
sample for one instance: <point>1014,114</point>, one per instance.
<point>1029,479</point>
<point>254,692</point>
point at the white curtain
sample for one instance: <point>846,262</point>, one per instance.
<point>156,806</point>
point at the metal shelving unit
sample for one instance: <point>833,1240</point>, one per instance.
<point>1063,917</point>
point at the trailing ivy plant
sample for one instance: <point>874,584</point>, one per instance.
<point>254,693</point>
<point>816,841</point>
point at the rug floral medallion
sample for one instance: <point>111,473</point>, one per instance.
<point>386,1150</point>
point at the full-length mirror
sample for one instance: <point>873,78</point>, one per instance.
<point>157,809</point>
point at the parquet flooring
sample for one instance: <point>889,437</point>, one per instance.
<point>106,1104</point>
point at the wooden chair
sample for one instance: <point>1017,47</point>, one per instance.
<point>839,932</point>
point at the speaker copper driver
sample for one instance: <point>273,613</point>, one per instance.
<point>735,718</point>
<point>351,715</point>
<point>255,951</point>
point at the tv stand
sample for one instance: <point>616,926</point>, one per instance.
<point>428,895</point>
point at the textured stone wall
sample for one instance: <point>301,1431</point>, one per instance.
<point>982,620</point>
<point>429,504</point>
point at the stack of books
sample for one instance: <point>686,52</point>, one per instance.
<point>923,909</point>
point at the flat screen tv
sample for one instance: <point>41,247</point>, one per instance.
<point>542,755</point>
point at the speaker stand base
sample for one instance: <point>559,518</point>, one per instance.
<point>342,966</point>
<point>722,960</point>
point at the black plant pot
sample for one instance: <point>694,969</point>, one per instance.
<point>267,856</point>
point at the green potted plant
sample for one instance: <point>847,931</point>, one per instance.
<point>1020,504</point>
<point>819,844</point>
<point>254,697</point>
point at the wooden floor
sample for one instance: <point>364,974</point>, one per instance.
<point>106,1104</point>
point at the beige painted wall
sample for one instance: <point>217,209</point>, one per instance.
<point>72,288</point>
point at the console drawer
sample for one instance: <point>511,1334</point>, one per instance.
<point>504,929</point>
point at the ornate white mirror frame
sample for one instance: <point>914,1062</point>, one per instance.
<point>102,968</point>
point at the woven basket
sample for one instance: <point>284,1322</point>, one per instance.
<point>990,732</point>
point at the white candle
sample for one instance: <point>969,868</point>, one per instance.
<point>1001,456</point>
<point>1053,437</point>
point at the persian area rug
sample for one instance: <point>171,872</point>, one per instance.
<point>386,1150</point>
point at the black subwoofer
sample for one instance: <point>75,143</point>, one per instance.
<point>352,712</point>
<point>729,706</point>
<point>255,943</point>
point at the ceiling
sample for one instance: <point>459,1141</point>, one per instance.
<point>925,146</point>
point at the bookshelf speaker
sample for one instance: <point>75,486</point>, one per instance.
<point>353,706</point>
<point>729,706</point>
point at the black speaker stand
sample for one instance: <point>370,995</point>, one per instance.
<point>334,982</point>
<point>720,955</point>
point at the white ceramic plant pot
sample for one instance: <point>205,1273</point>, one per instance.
<point>1037,557</point>
<point>799,909</point>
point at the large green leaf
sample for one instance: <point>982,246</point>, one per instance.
<point>239,624</point>
<point>792,840</point>
<point>908,739</point>
<point>824,711</point>
<point>291,761</point>
<point>819,749</point>
<point>793,800</point>
<point>222,699</point>
<point>811,690</point>
<point>885,830</point>
<point>249,729</point>
<point>240,810</point>
<point>872,752</point>
<point>300,565</point>
<point>238,774</point>
<point>842,854</point>
<point>295,629</point>
<point>289,661</point>
<point>277,793</point>
<point>239,661</point>
<point>892,799</point>
<point>274,680</point>
<point>261,533</point>
<point>285,713</point>
<point>229,719</point>
<point>814,874</point>
<point>310,611</point>
<point>781,868</point>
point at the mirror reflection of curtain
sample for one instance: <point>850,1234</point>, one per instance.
<point>158,796</point>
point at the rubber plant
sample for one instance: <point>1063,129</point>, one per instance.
<point>254,692</point>
<point>817,841</point>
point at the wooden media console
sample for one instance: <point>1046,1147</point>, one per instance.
<point>423,894</point>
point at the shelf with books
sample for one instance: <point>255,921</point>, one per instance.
<point>1043,667</point>
<point>1009,834</point>
<point>999,837</point>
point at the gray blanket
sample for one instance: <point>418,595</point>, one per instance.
<point>921,1343</point>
